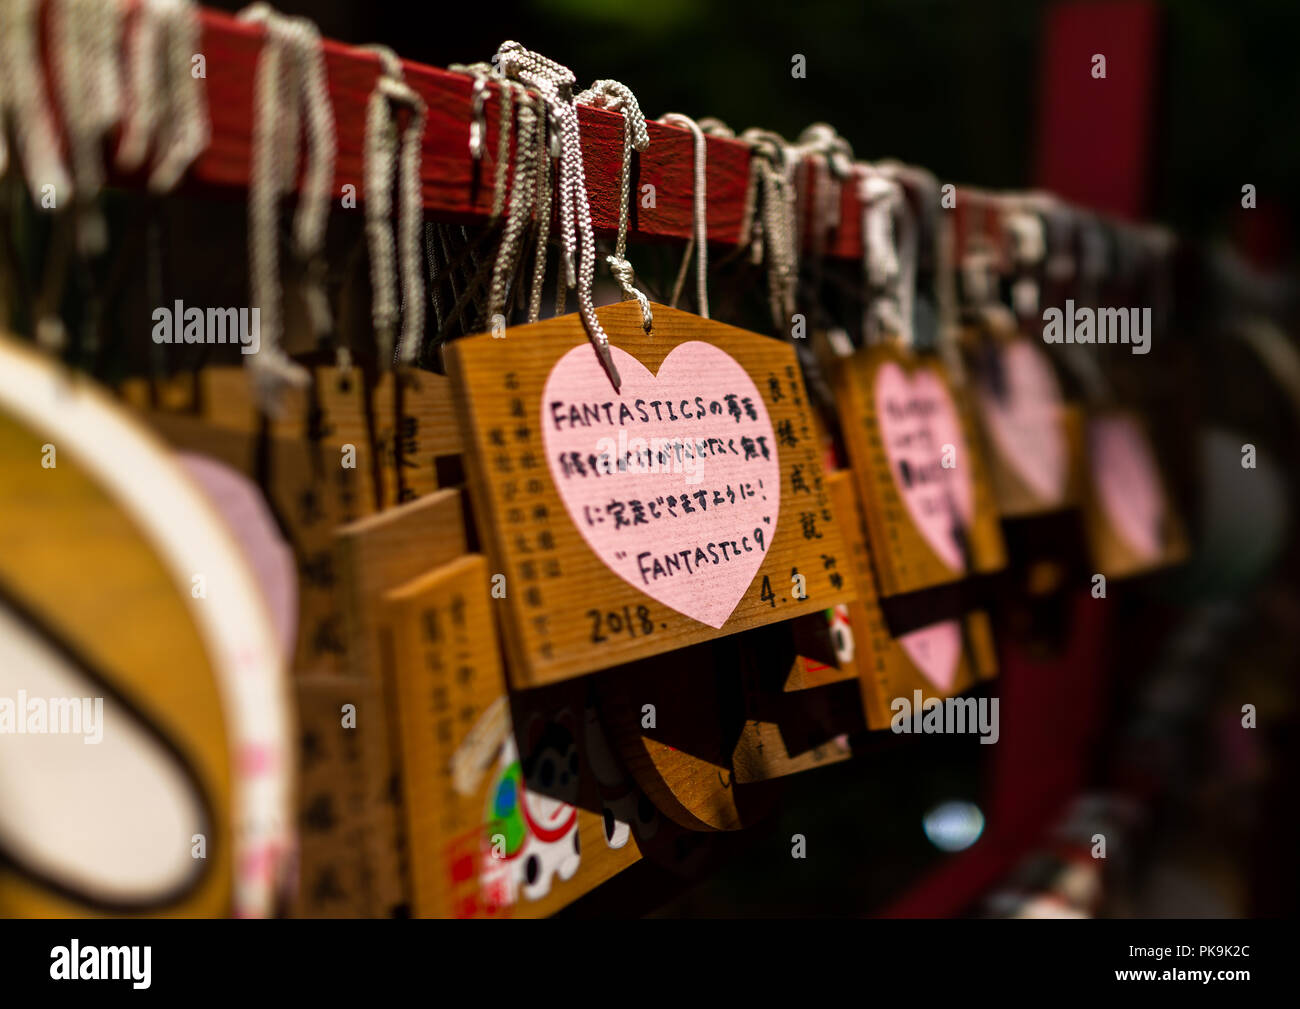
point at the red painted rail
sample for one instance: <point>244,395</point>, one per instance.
<point>453,187</point>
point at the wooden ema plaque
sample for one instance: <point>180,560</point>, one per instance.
<point>406,419</point>
<point>1024,424</point>
<point>674,722</point>
<point>823,644</point>
<point>302,473</point>
<point>336,807</point>
<point>798,711</point>
<point>372,556</point>
<point>787,732</point>
<point>983,648</point>
<point>1132,526</point>
<point>398,437</point>
<point>930,513</point>
<point>492,808</point>
<point>687,507</point>
<point>932,659</point>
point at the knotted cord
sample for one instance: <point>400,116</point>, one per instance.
<point>699,242</point>
<point>521,200</point>
<point>24,100</point>
<point>386,153</point>
<point>888,256</point>
<point>772,228</point>
<point>618,97</point>
<point>290,74</point>
<point>85,46</point>
<point>555,84</point>
<point>833,166</point>
<point>165,101</point>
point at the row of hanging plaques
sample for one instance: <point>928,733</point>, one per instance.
<point>505,692</point>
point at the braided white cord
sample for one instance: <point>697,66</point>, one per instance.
<point>555,84</point>
<point>531,181</point>
<point>290,70</point>
<point>144,89</point>
<point>384,154</point>
<point>715,127</point>
<point>771,166</point>
<point>482,73</point>
<point>85,44</point>
<point>23,97</point>
<point>379,161</point>
<point>435,272</point>
<point>1029,249</point>
<point>166,104</point>
<point>410,214</point>
<point>542,183</point>
<point>750,232</point>
<point>889,255</point>
<point>699,242</point>
<point>521,202</point>
<point>505,97</point>
<point>618,97</point>
<point>834,165</point>
<point>945,278</point>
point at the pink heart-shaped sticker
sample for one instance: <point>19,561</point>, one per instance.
<point>674,480</point>
<point>1024,420</point>
<point>1128,485</point>
<point>934,651</point>
<point>917,419</point>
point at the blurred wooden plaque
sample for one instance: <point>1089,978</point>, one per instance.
<point>930,512</point>
<point>1132,525</point>
<point>937,660</point>
<point>498,815</point>
<point>1023,417</point>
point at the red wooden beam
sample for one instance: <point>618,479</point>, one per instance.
<point>454,188</point>
<point>1095,133</point>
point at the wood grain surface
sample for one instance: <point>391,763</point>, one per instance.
<point>373,555</point>
<point>904,561</point>
<point>885,671</point>
<point>555,582</point>
<point>498,802</point>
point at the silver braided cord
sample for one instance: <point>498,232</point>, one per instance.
<point>833,165</point>
<point>85,45</point>
<point>23,100</point>
<point>773,225</point>
<point>888,257</point>
<point>927,187</point>
<point>712,126</point>
<point>542,183</point>
<point>385,154</point>
<point>505,96</point>
<point>290,72</point>
<point>144,88</point>
<point>945,279</point>
<point>521,201</point>
<point>555,84</point>
<point>699,242</point>
<point>483,73</point>
<point>618,97</point>
<point>497,273</point>
<point>165,104</point>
